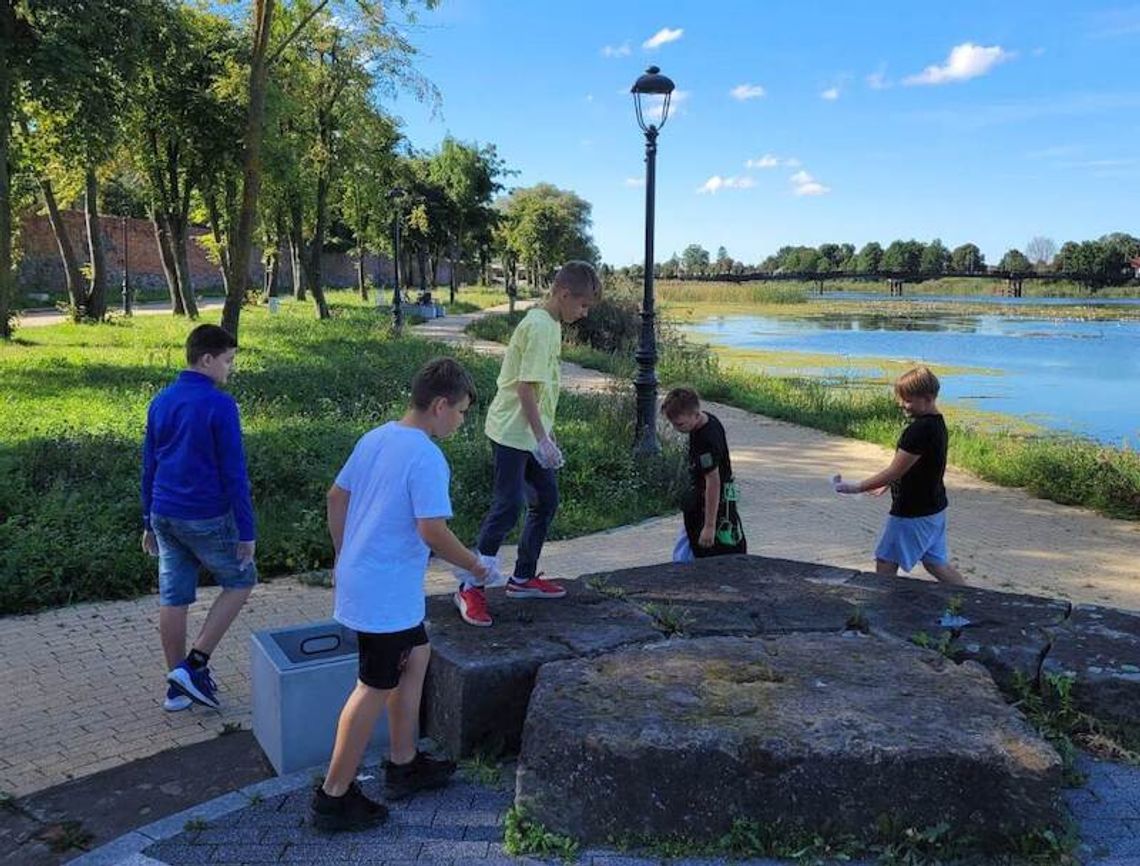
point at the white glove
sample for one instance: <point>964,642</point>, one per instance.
<point>494,576</point>
<point>548,454</point>
<point>842,486</point>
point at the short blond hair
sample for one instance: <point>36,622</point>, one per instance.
<point>680,401</point>
<point>919,382</point>
<point>579,278</point>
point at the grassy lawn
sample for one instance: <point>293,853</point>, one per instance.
<point>1068,470</point>
<point>73,409</point>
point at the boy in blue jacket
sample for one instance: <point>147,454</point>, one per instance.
<point>197,510</point>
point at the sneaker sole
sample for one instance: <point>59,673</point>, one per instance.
<point>534,593</point>
<point>393,794</point>
<point>337,824</point>
<point>181,681</point>
<point>477,623</point>
<point>176,705</point>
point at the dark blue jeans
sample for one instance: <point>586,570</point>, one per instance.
<point>519,479</point>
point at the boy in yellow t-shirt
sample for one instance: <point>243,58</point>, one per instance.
<point>520,425</point>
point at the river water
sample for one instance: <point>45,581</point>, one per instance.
<point>1070,375</point>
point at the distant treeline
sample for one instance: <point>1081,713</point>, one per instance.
<point>1111,260</point>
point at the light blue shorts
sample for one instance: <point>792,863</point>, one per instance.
<point>184,546</point>
<point>682,551</point>
<point>911,540</point>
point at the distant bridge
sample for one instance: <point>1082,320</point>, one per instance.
<point>896,279</point>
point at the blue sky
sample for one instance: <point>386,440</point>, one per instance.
<point>800,123</point>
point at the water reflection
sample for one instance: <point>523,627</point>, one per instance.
<point>1071,375</point>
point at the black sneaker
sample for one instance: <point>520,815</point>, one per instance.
<point>353,811</point>
<point>422,773</point>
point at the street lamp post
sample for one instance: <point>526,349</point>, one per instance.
<point>656,90</point>
<point>127,300</point>
<point>397,195</point>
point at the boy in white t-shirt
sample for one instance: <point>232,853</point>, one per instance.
<point>387,511</point>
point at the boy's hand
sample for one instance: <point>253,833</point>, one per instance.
<point>879,491</point>
<point>707,536</point>
<point>150,543</point>
<point>245,551</point>
<point>549,454</point>
<point>842,486</point>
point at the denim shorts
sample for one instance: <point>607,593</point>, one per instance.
<point>911,540</point>
<point>185,546</point>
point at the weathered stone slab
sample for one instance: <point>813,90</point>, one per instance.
<point>1100,646</point>
<point>1007,632</point>
<point>480,679</point>
<point>738,595</point>
<point>828,732</point>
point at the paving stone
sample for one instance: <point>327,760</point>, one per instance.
<point>449,850</point>
<point>247,853</point>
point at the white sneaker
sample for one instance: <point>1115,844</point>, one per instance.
<point>494,578</point>
<point>175,700</point>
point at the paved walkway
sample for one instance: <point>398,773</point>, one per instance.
<point>41,318</point>
<point>462,825</point>
<point>80,688</point>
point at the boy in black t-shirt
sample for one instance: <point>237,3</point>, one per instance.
<point>916,528</point>
<point>712,522</point>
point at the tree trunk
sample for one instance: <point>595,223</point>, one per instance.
<point>96,306</point>
<point>216,231</point>
<point>316,278</point>
<point>7,281</point>
<point>241,244</point>
<point>76,291</point>
<point>297,249</point>
<point>169,269</point>
<point>179,233</point>
<point>421,259</point>
<point>361,282</point>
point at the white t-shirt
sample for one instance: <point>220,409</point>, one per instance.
<point>396,475</point>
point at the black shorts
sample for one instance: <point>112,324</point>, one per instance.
<point>383,657</point>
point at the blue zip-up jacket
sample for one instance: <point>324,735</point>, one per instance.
<point>193,460</point>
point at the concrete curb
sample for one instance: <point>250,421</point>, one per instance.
<point>127,849</point>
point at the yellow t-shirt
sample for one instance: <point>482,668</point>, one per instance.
<point>532,356</point>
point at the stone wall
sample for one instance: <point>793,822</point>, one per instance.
<point>41,271</point>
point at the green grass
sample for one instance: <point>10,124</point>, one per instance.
<point>1070,471</point>
<point>73,402</point>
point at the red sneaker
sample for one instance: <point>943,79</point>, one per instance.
<point>536,587</point>
<point>472,604</point>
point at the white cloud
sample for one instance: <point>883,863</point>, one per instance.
<point>716,183</point>
<point>634,181</point>
<point>966,61</point>
<point>877,80</point>
<point>770,160</point>
<point>831,94</point>
<point>748,91</point>
<point>804,184</point>
<point>622,50</point>
<point>662,37</point>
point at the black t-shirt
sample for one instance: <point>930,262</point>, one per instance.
<point>708,447</point>
<point>920,491</point>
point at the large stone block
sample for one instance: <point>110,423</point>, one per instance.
<point>479,680</point>
<point>828,732</point>
<point>1009,633</point>
<point>1100,647</point>
<point>742,595</point>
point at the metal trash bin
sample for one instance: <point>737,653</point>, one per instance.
<point>300,677</point>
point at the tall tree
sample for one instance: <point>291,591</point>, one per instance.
<point>967,259</point>
<point>695,259</point>
<point>903,257</point>
<point>1015,262</point>
<point>935,258</point>
<point>869,258</point>
<point>1041,250</point>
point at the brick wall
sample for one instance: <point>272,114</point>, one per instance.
<point>41,270</point>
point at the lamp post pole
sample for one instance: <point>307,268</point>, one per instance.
<point>645,382</point>
<point>652,85</point>
<point>127,300</point>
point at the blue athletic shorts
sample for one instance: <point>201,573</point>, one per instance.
<point>911,540</point>
<point>184,546</point>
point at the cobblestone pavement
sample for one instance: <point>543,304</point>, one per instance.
<point>462,825</point>
<point>81,687</point>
